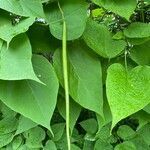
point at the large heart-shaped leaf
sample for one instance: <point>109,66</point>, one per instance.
<point>8,30</point>
<point>84,77</point>
<point>75,13</point>
<point>15,62</point>
<point>99,39</point>
<point>32,99</point>
<point>127,91</point>
<point>124,8</point>
<point>23,7</point>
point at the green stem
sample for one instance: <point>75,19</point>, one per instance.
<point>126,52</point>
<point>125,59</point>
<point>65,74</point>
<point>142,11</point>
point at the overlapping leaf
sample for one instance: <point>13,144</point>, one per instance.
<point>34,138</point>
<point>101,145</point>
<point>17,142</point>
<point>124,8</point>
<point>142,117</point>
<point>24,125</point>
<point>58,130</point>
<point>137,30</point>
<point>8,30</point>
<point>15,62</point>
<point>8,125</point>
<point>125,146</point>
<point>141,53</point>
<point>99,39</point>
<point>75,13</point>
<point>33,100</point>
<point>23,7</point>
<point>50,145</point>
<point>74,107</point>
<point>6,139</point>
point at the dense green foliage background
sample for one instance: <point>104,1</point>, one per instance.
<point>108,45</point>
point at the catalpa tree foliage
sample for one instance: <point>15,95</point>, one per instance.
<point>74,74</point>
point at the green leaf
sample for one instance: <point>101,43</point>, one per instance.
<point>74,107</point>
<point>142,117</point>
<point>34,137</point>
<point>23,7</point>
<point>147,108</point>
<point>139,143</point>
<point>102,145</point>
<point>58,130</point>
<point>6,139</point>
<point>118,36</point>
<point>112,139</point>
<point>24,125</point>
<point>62,143</point>
<point>74,147</point>
<point>138,41</point>
<point>127,91</point>
<point>104,132</point>
<point>125,146</point>
<point>17,142</point>
<point>9,31</point>
<point>141,54</point>
<point>84,76</point>
<point>97,12</point>
<point>125,132</point>
<point>137,30</point>
<point>107,114</point>
<point>16,60</point>
<point>31,99</point>
<point>145,132</point>
<point>90,126</point>
<point>147,2</point>
<point>99,39</point>
<point>1,44</point>
<point>88,145</point>
<point>75,14</point>
<point>8,125</point>
<point>23,147</point>
<point>32,8</point>
<point>124,8</point>
<point>6,111</point>
<point>50,145</point>
<point>11,6</point>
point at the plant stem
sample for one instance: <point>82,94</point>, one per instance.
<point>142,11</point>
<point>125,59</point>
<point>65,74</point>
